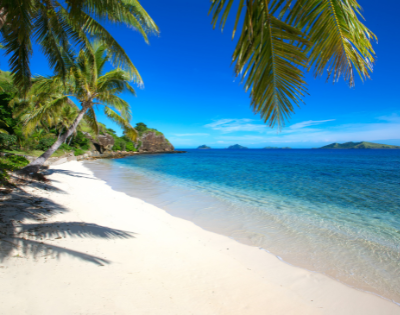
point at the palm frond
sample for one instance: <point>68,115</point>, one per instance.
<point>17,39</point>
<point>53,34</point>
<point>3,124</point>
<point>117,103</point>
<point>341,42</point>
<point>116,80</point>
<point>118,55</point>
<point>46,110</point>
<point>270,54</point>
<point>123,123</point>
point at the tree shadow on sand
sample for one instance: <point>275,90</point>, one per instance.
<point>16,205</point>
<point>66,172</point>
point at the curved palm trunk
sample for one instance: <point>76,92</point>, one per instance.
<point>36,164</point>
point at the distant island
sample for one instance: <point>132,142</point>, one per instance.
<point>275,148</point>
<point>236,147</point>
<point>204,147</point>
<point>359,145</point>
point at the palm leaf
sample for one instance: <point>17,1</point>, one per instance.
<point>53,34</point>
<point>270,55</point>
<point>17,39</point>
<point>45,111</point>
<point>123,123</point>
<point>341,42</point>
<point>119,57</point>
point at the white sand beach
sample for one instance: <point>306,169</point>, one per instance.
<point>105,252</point>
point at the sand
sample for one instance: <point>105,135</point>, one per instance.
<point>98,251</point>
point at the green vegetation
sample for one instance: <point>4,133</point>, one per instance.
<point>37,153</point>
<point>204,147</point>
<point>42,135</point>
<point>10,163</point>
<point>57,26</point>
<point>49,98</point>
<point>237,147</point>
<point>123,143</point>
<point>13,162</point>
<point>281,40</point>
<point>143,129</point>
<point>359,145</point>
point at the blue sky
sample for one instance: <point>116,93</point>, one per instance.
<point>191,95</point>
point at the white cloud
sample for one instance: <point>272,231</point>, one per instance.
<point>392,118</point>
<point>341,133</point>
<point>233,125</point>
<point>308,123</point>
<point>191,134</point>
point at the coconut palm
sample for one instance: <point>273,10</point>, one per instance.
<point>55,25</point>
<point>281,39</point>
<point>87,82</point>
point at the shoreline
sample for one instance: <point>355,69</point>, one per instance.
<point>92,155</point>
<point>190,205</point>
<point>150,262</point>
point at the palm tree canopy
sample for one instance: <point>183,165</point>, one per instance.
<point>87,82</point>
<point>281,39</point>
<point>55,25</point>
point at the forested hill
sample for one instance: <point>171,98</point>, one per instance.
<point>359,145</point>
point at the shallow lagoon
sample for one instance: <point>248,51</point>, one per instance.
<point>332,211</point>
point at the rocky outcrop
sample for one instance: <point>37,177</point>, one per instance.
<point>101,143</point>
<point>154,142</point>
<point>149,141</point>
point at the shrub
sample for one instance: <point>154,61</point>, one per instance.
<point>119,144</point>
<point>45,144</point>
<point>6,113</point>
<point>79,141</point>
<point>65,147</point>
<point>116,147</point>
<point>130,147</point>
<point>13,162</point>
<point>85,147</point>
<point>111,131</point>
<point>7,141</point>
<point>141,127</point>
<point>79,152</point>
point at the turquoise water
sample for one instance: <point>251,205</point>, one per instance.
<point>332,211</point>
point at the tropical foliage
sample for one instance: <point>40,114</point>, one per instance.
<point>280,40</point>
<point>57,26</point>
<point>48,101</point>
<point>142,128</point>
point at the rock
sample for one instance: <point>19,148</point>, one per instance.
<point>152,142</point>
<point>102,143</point>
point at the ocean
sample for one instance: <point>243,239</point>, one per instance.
<point>336,212</point>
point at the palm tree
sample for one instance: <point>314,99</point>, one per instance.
<point>65,117</point>
<point>281,39</point>
<point>87,83</point>
<point>55,25</point>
